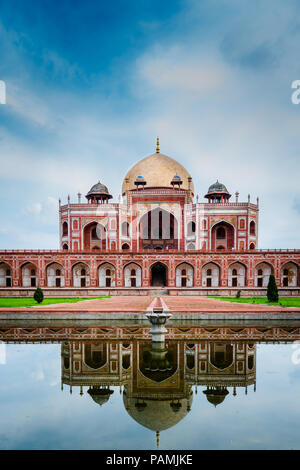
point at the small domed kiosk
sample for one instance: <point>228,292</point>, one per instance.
<point>98,194</point>
<point>217,192</point>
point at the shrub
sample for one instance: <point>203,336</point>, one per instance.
<point>238,294</point>
<point>272,292</point>
<point>38,295</point>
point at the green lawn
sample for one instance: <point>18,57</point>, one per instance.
<point>284,301</point>
<point>29,301</point>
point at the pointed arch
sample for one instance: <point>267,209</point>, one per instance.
<point>81,274</point>
<point>222,234</point>
<point>132,275</point>
<point>184,275</point>
<point>95,354</point>
<point>94,236</point>
<point>211,274</point>
<point>29,274</point>
<point>237,274</point>
<point>107,275</point>
<point>221,355</point>
<point>263,270</point>
<point>55,275</point>
<point>65,229</point>
<point>158,229</point>
<point>191,228</point>
<point>125,229</point>
<point>252,228</point>
<point>159,274</point>
<point>289,274</point>
<point>5,275</point>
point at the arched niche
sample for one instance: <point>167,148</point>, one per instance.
<point>107,275</point>
<point>289,274</point>
<point>210,275</point>
<point>132,275</point>
<point>262,274</point>
<point>81,275</point>
<point>55,275</point>
<point>29,275</point>
<point>184,275</point>
<point>237,275</point>
<point>5,275</point>
<point>95,354</point>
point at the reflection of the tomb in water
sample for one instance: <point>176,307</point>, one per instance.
<point>157,380</point>
<point>60,331</point>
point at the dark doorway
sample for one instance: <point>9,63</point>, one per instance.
<point>159,275</point>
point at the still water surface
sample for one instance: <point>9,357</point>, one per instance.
<point>199,394</point>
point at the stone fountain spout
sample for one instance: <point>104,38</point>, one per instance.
<point>158,318</point>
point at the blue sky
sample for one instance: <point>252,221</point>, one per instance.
<point>91,84</point>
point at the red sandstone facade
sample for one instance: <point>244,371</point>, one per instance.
<point>155,238</point>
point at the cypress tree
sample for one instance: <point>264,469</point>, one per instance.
<point>38,295</point>
<point>272,292</point>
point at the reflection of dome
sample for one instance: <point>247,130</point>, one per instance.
<point>158,415</point>
<point>100,395</point>
<point>215,396</point>
<point>217,188</point>
<point>158,170</point>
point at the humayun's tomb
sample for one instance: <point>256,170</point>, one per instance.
<point>155,240</point>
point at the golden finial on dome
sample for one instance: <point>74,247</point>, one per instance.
<point>157,145</point>
<point>157,439</point>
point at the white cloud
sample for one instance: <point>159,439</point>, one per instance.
<point>237,131</point>
<point>164,71</point>
<point>38,375</point>
<point>21,162</point>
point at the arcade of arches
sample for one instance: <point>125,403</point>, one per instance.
<point>157,274</point>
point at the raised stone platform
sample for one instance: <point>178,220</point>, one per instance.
<point>146,291</point>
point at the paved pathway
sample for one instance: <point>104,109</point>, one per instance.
<point>196,304</point>
<point>120,303</point>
